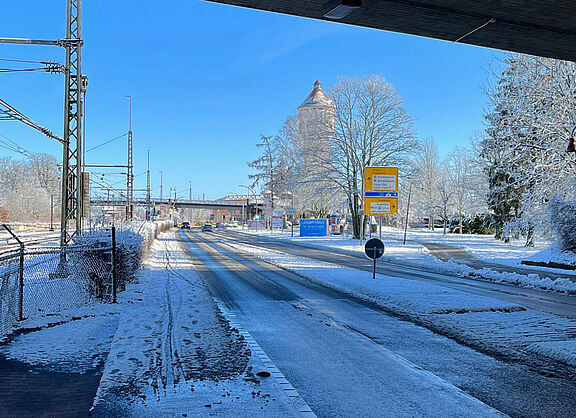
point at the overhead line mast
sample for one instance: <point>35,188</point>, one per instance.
<point>72,155</point>
<point>75,84</point>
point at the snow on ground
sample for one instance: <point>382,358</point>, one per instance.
<point>484,247</point>
<point>564,350</point>
<point>481,322</point>
<point>76,340</point>
<point>174,354</point>
<point>75,343</point>
<point>415,254</point>
<point>166,348</point>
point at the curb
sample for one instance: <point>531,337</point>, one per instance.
<point>300,404</point>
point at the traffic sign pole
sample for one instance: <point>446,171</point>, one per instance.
<point>374,249</point>
<point>374,269</point>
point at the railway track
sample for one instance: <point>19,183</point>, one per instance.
<point>8,243</point>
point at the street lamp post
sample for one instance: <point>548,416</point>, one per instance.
<point>407,214</point>
<point>160,186</point>
<point>255,200</point>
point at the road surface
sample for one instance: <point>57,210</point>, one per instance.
<point>346,357</point>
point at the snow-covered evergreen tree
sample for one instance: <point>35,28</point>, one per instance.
<point>533,108</point>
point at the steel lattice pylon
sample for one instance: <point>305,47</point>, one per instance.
<point>72,139</point>
<point>72,156</point>
<point>130,180</point>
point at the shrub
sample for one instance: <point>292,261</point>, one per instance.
<point>562,216</point>
<point>91,255</point>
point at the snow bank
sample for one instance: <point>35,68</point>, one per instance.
<point>416,255</point>
<point>564,351</point>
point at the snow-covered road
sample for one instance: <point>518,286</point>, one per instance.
<point>349,357</point>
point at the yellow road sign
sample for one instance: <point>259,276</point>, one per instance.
<point>381,179</point>
<point>380,205</point>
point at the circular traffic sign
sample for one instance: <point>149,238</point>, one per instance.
<point>374,248</point>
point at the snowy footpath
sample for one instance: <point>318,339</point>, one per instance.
<point>484,323</point>
<point>174,354</point>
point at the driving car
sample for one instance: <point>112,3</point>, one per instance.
<point>206,228</point>
<point>185,225</point>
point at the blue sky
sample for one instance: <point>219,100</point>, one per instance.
<point>207,80</point>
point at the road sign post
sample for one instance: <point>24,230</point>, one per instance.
<point>374,249</point>
<point>291,211</point>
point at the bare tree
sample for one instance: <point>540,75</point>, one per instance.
<point>371,128</point>
<point>445,196</point>
<point>26,187</point>
<point>427,174</point>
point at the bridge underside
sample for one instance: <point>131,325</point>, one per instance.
<point>544,27</point>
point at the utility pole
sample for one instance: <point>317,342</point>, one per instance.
<point>130,174</point>
<point>190,191</point>
<point>148,189</point>
<point>160,185</point>
<point>72,152</point>
<point>75,85</point>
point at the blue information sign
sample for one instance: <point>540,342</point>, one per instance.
<point>381,194</point>
<point>313,227</point>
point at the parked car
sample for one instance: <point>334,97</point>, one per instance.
<point>207,228</point>
<point>185,225</point>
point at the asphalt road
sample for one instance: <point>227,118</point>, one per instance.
<point>348,358</point>
<point>551,302</point>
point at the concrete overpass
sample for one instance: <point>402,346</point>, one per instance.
<point>180,204</point>
<point>543,27</point>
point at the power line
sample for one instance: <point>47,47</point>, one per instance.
<point>48,66</point>
<point>107,142</point>
<point>18,60</point>
<point>7,112</point>
<point>10,145</point>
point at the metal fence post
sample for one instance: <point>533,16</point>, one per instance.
<point>21,284</point>
<point>20,274</point>
<point>114,278</point>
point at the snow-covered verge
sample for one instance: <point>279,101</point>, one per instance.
<point>74,341</point>
<point>554,254</point>
<point>174,354</point>
<point>481,322</point>
<point>417,255</point>
<point>533,280</point>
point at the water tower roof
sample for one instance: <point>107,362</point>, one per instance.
<point>317,98</point>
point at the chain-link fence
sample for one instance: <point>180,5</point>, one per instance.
<point>36,281</point>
